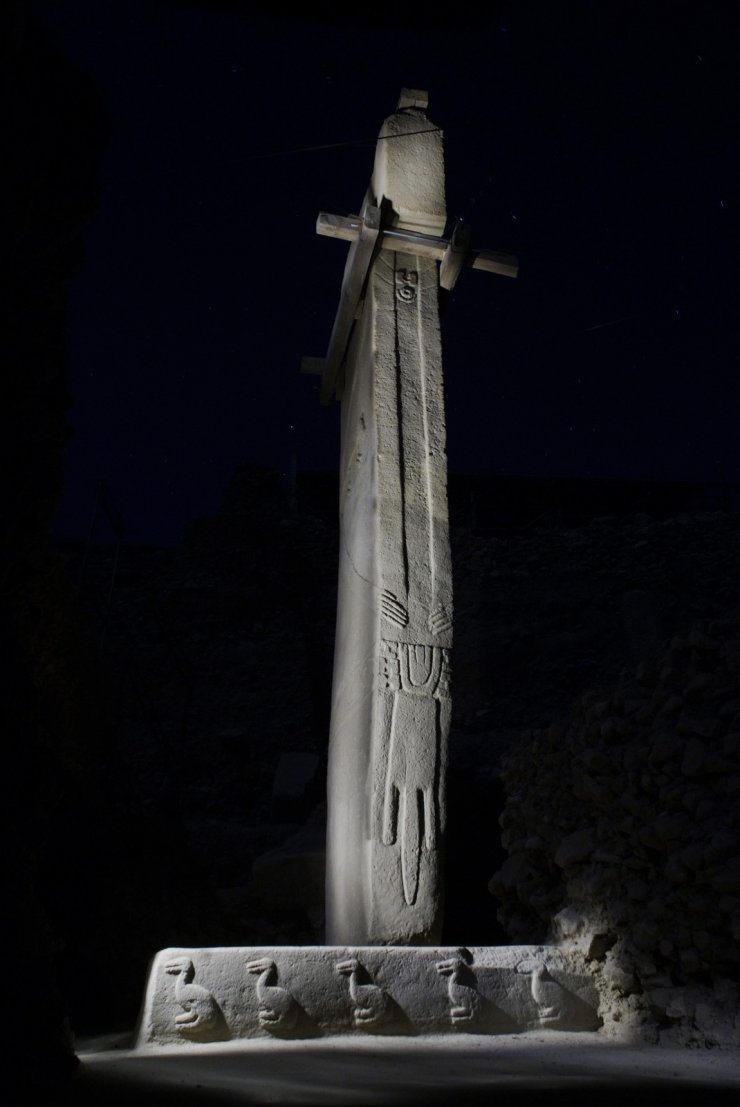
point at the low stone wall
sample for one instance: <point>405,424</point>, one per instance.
<point>622,826</point>
<point>226,994</point>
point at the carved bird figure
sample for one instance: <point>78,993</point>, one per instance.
<point>464,999</point>
<point>200,1013</point>
<point>372,1004</point>
<point>546,992</point>
<point>277,1008</point>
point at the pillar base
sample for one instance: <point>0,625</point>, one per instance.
<point>301,992</point>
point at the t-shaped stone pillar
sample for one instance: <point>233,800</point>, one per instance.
<point>391,699</point>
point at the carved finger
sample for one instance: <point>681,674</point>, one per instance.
<point>393,609</point>
<point>413,817</point>
<point>430,819</point>
<point>390,815</point>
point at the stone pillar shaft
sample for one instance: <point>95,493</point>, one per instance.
<point>391,701</point>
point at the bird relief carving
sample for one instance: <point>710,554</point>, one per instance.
<point>372,1004</point>
<point>201,1016</point>
<point>549,997</point>
<point>465,1000</point>
<point>278,1011</point>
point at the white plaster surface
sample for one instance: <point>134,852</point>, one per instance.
<point>197,996</point>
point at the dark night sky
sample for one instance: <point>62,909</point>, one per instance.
<point>598,141</point>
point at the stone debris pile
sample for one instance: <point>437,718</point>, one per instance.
<point>622,829</point>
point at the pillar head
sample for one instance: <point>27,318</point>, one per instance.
<point>409,167</point>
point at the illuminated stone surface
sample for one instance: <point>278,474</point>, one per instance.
<point>383,972</point>
<point>210,995</point>
<point>391,699</point>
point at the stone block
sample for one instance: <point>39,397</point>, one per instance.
<point>391,706</point>
<point>224,994</point>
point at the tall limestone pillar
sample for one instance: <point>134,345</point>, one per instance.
<point>391,707</point>
<point>391,697</point>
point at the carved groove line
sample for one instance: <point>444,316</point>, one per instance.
<point>390,798</point>
<point>427,466</point>
<point>401,451</point>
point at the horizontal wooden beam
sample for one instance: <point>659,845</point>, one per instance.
<point>414,242</point>
<point>454,257</point>
<point>491,261</point>
<point>338,226</point>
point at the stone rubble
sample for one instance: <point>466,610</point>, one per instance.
<point>622,829</point>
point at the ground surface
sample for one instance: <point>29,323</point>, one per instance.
<point>559,1067</point>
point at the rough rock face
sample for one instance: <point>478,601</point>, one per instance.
<point>622,828</point>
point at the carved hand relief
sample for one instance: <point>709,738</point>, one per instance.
<point>546,992</point>
<point>201,1016</point>
<point>417,677</point>
<point>393,609</point>
<point>439,620</point>
<point>407,281</point>
<point>278,1010</point>
<point>465,1000</point>
<point>372,1003</point>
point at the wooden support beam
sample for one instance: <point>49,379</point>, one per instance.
<point>355,274</point>
<point>338,226</point>
<point>454,257</point>
<point>365,234</point>
<point>506,265</point>
<point>414,242</point>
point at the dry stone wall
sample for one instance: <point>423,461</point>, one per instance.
<point>622,830</point>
